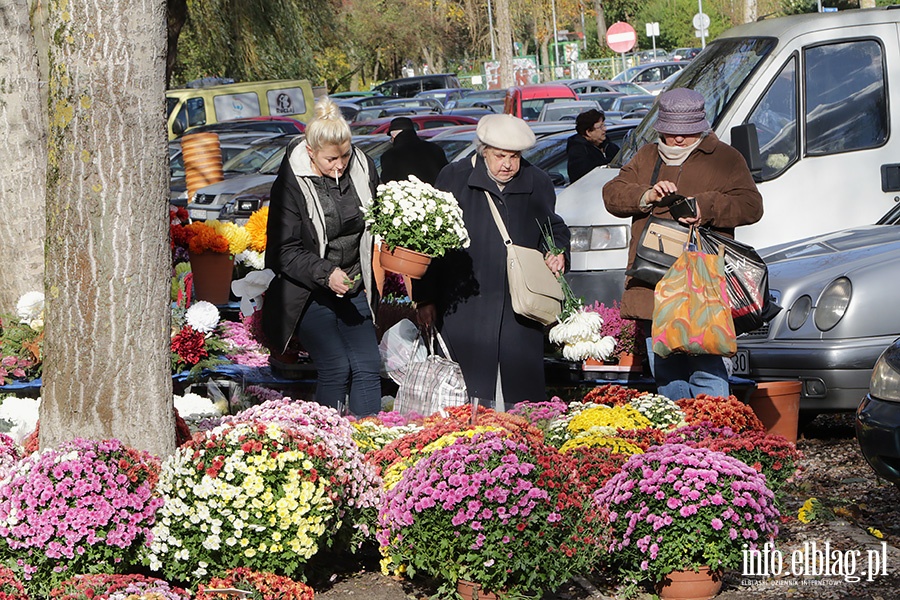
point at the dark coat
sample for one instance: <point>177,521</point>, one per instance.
<point>715,174</point>
<point>470,287</point>
<point>583,156</point>
<point>293,248</point>
<point>412,156</point>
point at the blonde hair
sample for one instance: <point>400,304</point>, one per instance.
<point>328,127</point>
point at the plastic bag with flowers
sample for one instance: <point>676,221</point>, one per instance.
<point>195,343</point>
<point>21,339</point>
<point>117,587</point>
<point>415,215</point>
<point>265,586</point>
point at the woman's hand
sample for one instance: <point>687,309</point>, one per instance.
<point>695,220</point>
<point>339,283</point>
<point>660,190</point>
<point>556,263</point>
<point>425,316</point>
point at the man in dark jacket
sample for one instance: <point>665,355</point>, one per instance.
<point>410,155</point>
<point>588,147</point>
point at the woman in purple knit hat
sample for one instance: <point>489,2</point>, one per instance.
<point>687,159</point>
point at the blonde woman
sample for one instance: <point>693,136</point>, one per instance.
<point>321,253</point>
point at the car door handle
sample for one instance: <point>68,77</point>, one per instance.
<point>890,178</point>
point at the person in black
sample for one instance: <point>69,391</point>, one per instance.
<point>588,147</point>
<point>410,155</point>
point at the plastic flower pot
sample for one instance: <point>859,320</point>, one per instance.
<point>777,405</point>
<point>404,261</point>
<point>212,276</point>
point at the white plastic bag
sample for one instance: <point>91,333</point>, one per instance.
<point>398,349</point>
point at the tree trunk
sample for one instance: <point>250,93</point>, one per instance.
<point>504,43</point>
<point>601,22</point>
<point>750,10</point>
<point>106,372</point>
<point>176,17</point>
<point>23,170</point>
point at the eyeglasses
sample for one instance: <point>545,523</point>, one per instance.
<point>599,126</point>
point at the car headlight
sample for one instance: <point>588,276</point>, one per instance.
<point>885,382</point>
<point>204,198</point>
<point>833,303</point>
<point>601,237</point>
<point>798,312</point>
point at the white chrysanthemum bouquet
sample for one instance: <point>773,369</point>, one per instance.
<point>579,336</point>
<point>414,215</point>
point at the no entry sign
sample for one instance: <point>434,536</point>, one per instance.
<point>620,37</point>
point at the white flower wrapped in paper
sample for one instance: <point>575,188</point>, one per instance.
<point>202,316</point>
<point>579,335</point>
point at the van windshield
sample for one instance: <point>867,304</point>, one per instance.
<point>719,72</point>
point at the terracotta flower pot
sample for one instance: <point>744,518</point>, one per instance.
<point>404,261</point>
<point>212,276</point>
<point>472,591</point>
<point>690,585</point>
<point>777,404</point>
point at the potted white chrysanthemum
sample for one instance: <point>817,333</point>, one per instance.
<point>414,216</point>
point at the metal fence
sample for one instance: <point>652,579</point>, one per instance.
<point>600,68</point>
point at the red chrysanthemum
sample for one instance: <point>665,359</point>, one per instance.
<point>189,345</point>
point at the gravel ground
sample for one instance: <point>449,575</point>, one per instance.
<point>834,472</point>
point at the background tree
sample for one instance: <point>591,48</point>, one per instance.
<point>23,170</point>
<point>107,366</point>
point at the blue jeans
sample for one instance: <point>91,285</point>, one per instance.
<point>340,337</point>
<point>685,376</point>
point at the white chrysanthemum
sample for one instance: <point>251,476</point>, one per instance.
<point>202,316</point>
<point>193,406</point>
<point>600,349</point>
<point>581,325</point>
<point>252,258</point>
<point>22,413</point>
<point>30,306</point>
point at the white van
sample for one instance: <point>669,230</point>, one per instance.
<point>818,88</point>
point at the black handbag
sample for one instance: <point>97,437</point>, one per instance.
<point>661,242</point>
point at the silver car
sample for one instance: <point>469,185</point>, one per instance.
<point>837,291</point>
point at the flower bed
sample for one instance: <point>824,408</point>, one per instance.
<point>116,587</point>
<point>84,507</point>
<point>264,586</point>
<point>720,412</point>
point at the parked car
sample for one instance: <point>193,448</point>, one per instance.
<point>566,109</point>
<point>647,56</point>
<point>604,99</point>
<point>408,87</point>
<point>348,109</point>
<point>878,417</point>
<point>492,99</point>
<point>422,101</point>
<point>426,121</point>
<point>650,74</point>
<point>252,124</point>
<point>629,107</point>
<point>835,321</point>
<point>526,101</point>
<point>683,54</point>
<point>389,112</point>
<point>596,85</point>
<point>444,95</point>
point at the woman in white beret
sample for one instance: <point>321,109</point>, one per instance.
<point>465,294</point>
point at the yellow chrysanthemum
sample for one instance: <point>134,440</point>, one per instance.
<point>875,532</point>
<point>619,417</point>
<point>238,237</point>
<point>617,445</point>
<point>256,227</point>
<point>807,512</point>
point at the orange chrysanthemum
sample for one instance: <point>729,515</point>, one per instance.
<point>203,238</point>
<point>256,227</point>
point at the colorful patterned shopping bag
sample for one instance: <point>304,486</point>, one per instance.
<point>691,312</point>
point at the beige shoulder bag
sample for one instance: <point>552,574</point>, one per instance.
<point>535,292</point>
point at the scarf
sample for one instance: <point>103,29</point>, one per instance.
<point>674,156</point>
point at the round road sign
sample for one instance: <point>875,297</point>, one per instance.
<point>700,21</point>
<point>620,37</point>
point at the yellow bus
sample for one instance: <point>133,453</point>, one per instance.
<point>190,107</point>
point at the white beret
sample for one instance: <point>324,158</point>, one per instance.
<point>505,132</point>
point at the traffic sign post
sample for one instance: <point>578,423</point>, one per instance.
<point>652,32</point>
<point>621,38</point>
<point>701,23</point>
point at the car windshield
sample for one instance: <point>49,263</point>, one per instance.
<point>271,166</point>
<point>252,159</point>
<point>628,88</point>
<point>718,73</point>
<point>544,147</point>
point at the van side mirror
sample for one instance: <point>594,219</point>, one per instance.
<point>178,127</point>
<point>745,140</point>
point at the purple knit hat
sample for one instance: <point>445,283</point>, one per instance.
<point>681,112</point>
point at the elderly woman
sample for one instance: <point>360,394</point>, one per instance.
<point>466,293</point>
<point>690,160</point>
<point>318,246</point>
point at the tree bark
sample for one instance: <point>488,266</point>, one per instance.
<point>107,321</point>
<point>504,43</point>
<point>23,170</point>
<point>601,22</point>
<point>751,8</point>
